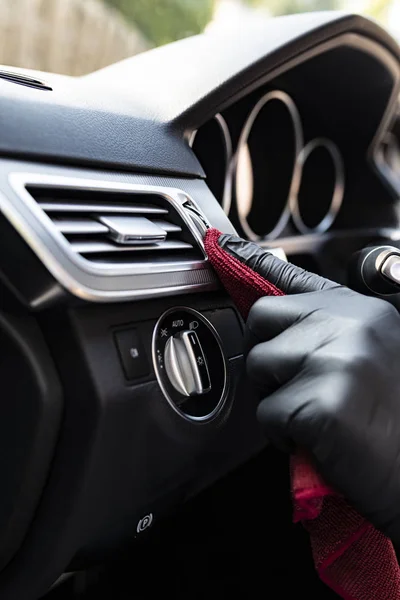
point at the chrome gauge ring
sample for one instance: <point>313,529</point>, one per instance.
<point>325,181</point>
<point>249,190</point>
<point>217,178</point>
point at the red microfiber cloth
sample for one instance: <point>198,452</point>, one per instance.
<point>352,557</point>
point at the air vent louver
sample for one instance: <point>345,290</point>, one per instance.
<point>111,241</point>
<point>118,228</point>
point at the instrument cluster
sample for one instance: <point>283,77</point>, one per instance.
<point>272,177</point>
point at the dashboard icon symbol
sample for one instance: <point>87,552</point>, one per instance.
<point>144,523</point>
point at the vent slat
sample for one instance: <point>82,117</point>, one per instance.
<point>137,209</point>
<point>93,247</point>
<point>79,226</point>
<point>167,226</point>
<point>82,226</point>
<point>119,229</point>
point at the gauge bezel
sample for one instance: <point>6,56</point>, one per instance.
<point>338,189</point>
<point>294,114</point>
<point>226,199</point>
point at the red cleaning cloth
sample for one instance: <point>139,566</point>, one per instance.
<point>351,556</point>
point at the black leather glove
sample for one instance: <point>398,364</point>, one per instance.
<point>327,360</point>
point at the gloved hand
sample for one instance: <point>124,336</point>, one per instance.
<point>327,362</point>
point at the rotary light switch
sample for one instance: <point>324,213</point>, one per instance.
<point>190,364</point>
<point>186,364</point>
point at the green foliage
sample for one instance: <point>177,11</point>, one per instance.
<point>286,7</point>
<point>378,9</point>
<point>163,21</point>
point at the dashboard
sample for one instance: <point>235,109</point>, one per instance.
<point>287,166</point>
<point>122,356</point>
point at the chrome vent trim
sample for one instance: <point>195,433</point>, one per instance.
<point>90,247</point>
<point>77,226</point>
<point>102,227</point>
<point>78,249</point>
<point>51,207</point>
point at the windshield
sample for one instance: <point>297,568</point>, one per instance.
<point>76,37</point>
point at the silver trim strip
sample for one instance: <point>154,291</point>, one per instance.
<point>55,207</point>
<point>226,196</point>
<point>298,139</point>
<point>102,282</point>
<point>79,226</point>
<point>338,190</point>
<point>95,247</point>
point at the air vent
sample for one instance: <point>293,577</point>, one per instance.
<point>118,228</point>
<point>107,241</point>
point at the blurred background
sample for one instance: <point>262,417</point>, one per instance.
<point>75,37</point>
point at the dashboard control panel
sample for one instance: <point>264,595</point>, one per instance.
<point>190,364</point>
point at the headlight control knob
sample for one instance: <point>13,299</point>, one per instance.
<point>186,364</point>
<point>190,364</point>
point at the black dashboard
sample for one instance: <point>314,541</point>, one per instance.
<point>287,134</point>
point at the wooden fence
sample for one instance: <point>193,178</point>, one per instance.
<point>73,37</point>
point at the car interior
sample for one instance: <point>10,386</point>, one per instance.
<point>131,459</point>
